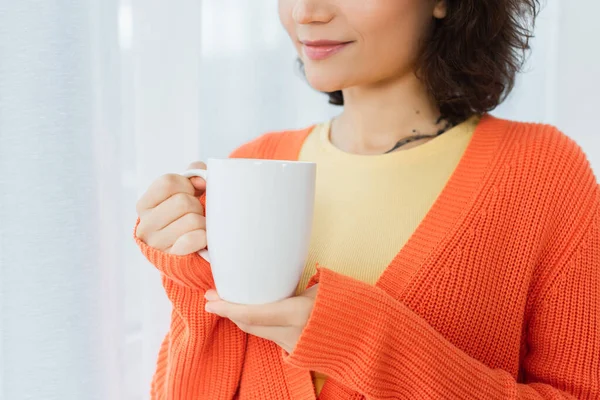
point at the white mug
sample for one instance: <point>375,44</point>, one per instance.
<point>258,224</point>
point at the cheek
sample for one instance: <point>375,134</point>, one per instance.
<point>285,16</point>
<point>391,31</point>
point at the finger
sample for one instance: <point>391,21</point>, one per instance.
<point>173,232</point>
<point>212,295</point>
<point>191,242</point>
<point>198,183</point>
<point>197,165</point>
<point>274,314</point>
<point>163,188</point>
<point>169,211</point>
<point>278,343</point>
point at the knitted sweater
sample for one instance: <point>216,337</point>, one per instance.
<point>502,300</point>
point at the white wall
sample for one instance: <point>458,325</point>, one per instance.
<point>562,79</point>
<point>99,97</point>
<point>578,75</point>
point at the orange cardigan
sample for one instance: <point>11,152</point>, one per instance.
<point>495,296</point>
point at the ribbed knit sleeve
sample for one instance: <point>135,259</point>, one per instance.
<point>191,271</point>
<point>370,342</point>
<point>191,364</point>
<point>202,356</point>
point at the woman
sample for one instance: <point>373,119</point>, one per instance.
<point>459,253</point>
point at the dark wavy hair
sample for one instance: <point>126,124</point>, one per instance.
<point>470,58</point>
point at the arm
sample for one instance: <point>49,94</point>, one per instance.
<point>196,339</point>
<point>202,355</point>
<point>388,351</point>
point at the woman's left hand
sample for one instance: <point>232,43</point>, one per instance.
<point>281,322</point>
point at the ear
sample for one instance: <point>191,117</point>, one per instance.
<point>440,10</point>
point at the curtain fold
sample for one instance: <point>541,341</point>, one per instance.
<point>50,277</point>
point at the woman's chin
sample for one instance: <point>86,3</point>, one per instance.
<point>323,79</point>
<point>322,84</point>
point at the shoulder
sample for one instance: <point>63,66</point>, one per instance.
<point>283,145</point>
<point>558,199</point>
<point>550,179</point>
<point>547,139</point>
<point>544,178</point>
<point>538,137</point>
<point>546,155</point>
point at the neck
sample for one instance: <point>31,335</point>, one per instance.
<point>375,118</point>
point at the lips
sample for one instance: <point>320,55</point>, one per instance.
<point>322,49</point>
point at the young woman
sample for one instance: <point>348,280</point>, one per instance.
<point>454,254</point>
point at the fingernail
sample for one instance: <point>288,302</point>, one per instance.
<point>208,308</point>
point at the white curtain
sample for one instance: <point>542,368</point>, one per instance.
<point>100,97</point>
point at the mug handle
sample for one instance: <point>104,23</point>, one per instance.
<point>202,173</point>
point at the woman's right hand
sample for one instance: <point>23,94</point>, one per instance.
<point>171,215</point>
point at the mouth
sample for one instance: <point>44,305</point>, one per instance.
<point>322,49</point>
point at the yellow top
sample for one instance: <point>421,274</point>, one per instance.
<point>367,207</point>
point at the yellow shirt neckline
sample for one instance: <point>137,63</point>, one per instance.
<point>427,149</point>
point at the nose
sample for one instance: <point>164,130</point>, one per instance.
<point>312,12</point>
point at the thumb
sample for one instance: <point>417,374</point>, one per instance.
<point>311,291</point>
<point>198,183</point>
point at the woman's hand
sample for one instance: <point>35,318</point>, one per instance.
<point>281,322</point>
<point>171,216</point>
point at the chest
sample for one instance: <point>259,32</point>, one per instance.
<point>473,287</point>
<point>363,216</point>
